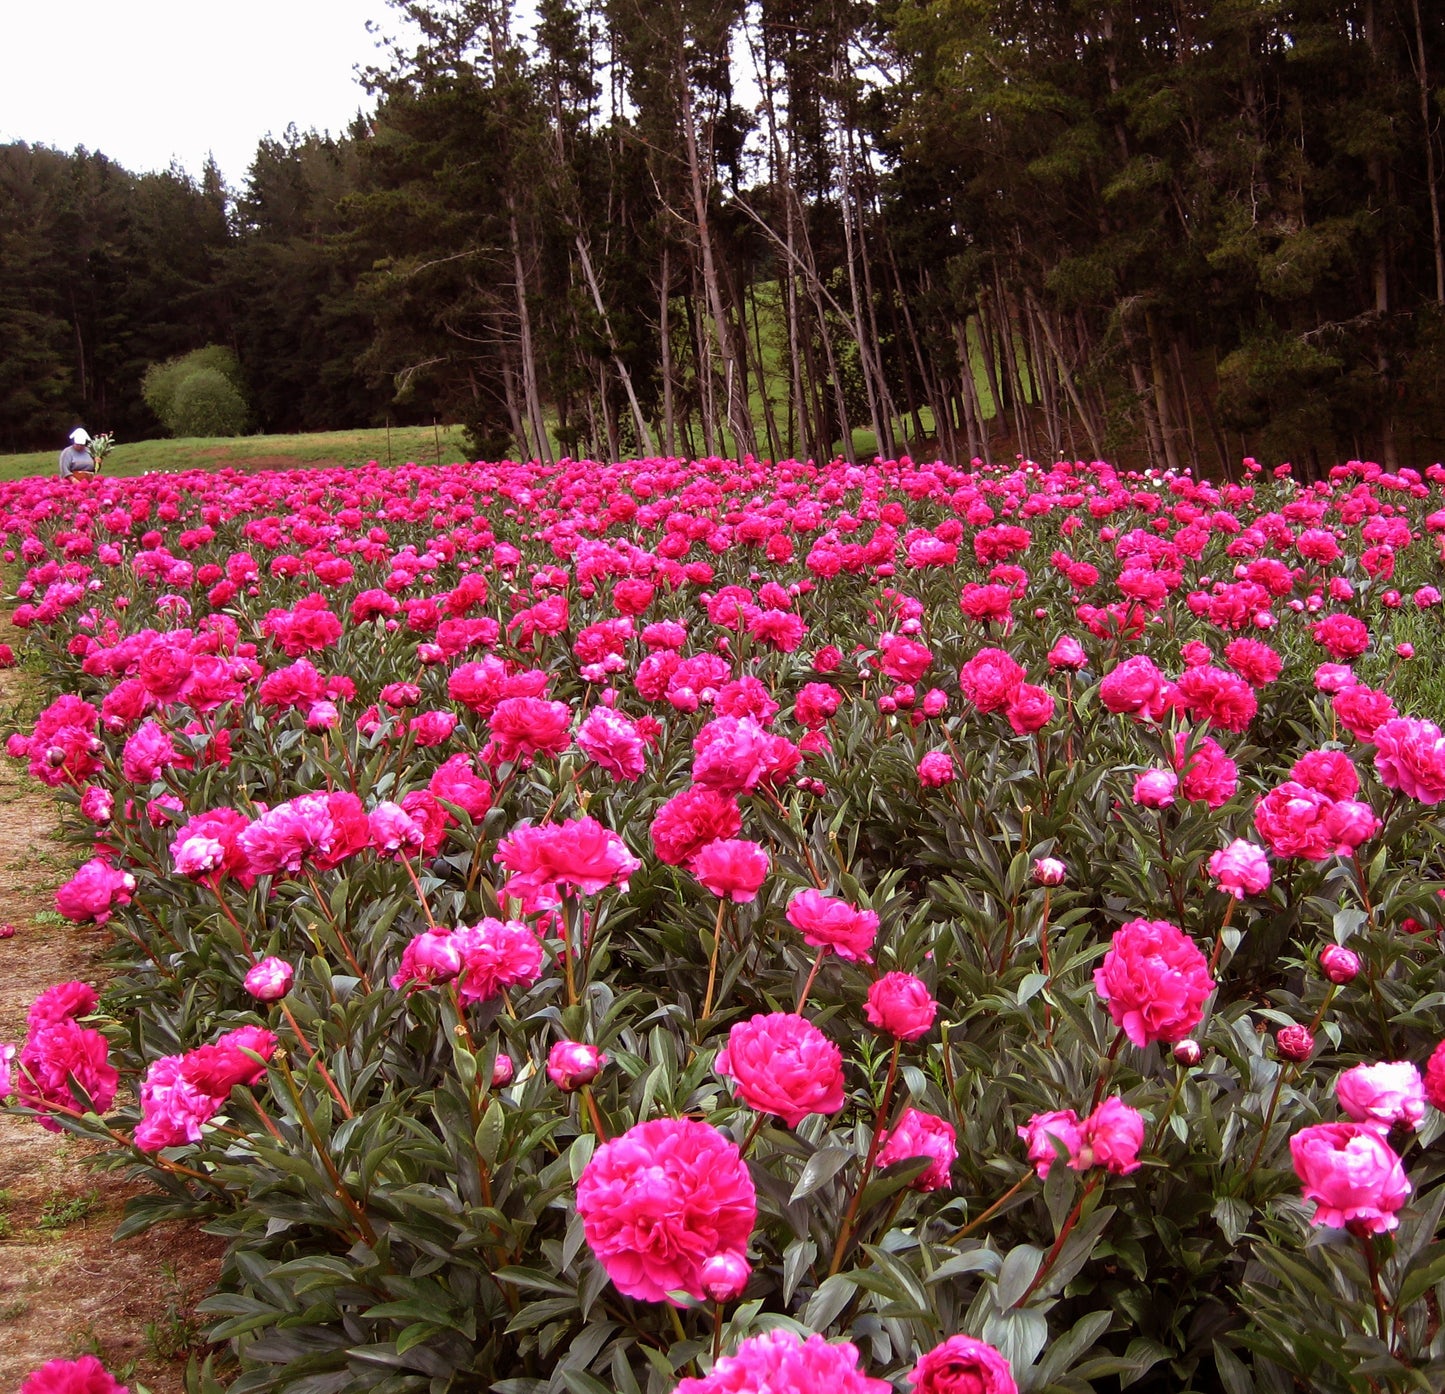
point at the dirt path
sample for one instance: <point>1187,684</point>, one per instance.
<point>66,1287</point>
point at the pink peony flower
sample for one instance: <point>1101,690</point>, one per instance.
<point>1030,709</point>
<point>1208,776</point>
<point>1049,871</point>
<point>901,1005</point>
<point>1132,688</point>
<point>661,1200</point>
<point>1041,1133</point>
<point>1067,655</point>
<point>1155,788</point>
<point>85,1375</point>
<point>1435,1077</point>
<point>1240,869</point>
<point>779,1361</point>
<point>173,1110</point>
<point>1154,981</point>
<point>456,782</point>
<point>433,956</point>
<point>1294,1042</point>
<point>1351,1173</point>
<point>1110,1137</point>
<point>989,679</point>
<point>220,1067</point>
<point>1362,710</point>
<point>690,820</point>
<point>724,1277</point>
<point>613,742</point>
<point>571,1064</point>
<point>826,921</point>
<point>495,955</point>
<point>731,868</point>
<point>1291,818</point>
<point>783,1065</point>
<point>94,892</point>
<point>919,1134</point>
<point>962,1365</point>
<point>1410,756</point>
<point>524,727</point>
<point>1389,1092</point>
<point>936,769</point>
<point>1339,964</point>
<point>270,979</point>
<point>57,1053</point>
<point>579,853</point>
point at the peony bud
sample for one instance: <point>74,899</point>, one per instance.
<point>502,1071</point>
<point>1294,1042</point>
<point>1187,1051</point>
<point>270,979</point>
<point>1339,964</point>
<point>1049,871</point>
<point>724,1276</point>
<point>571,1064</point>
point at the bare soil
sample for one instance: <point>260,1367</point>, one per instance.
<point>67,1288</point>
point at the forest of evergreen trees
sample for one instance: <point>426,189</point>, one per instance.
<point>1167,233</point>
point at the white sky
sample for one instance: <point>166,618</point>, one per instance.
<point>148,81</point>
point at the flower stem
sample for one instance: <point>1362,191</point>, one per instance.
<point>808,986</point>
<point>1372,1263</point>
<point>712,962</point>
<point>1052,1256</point>
<point>1219,935</point>
<point>992,1210</point>
<point>314,1056</point>
<point>851,1218</point>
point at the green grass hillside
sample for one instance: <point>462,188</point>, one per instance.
<point>421,444</point>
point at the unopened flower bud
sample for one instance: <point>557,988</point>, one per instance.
<point>571,1064</point>
<point>270,980</point>
<point>725,1275</point>
<point>1339,964</point>
<point>1294,1042</point>
<point>502,1071</point>
<point>1187,1051</point>
<point>1049,871</point>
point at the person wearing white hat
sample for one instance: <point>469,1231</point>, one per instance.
<point>76,457</point>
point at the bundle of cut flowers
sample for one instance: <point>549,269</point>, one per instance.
<point>715,925</point>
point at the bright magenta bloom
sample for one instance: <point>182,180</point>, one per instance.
<point>989,679</point>
<point>901,1005</point>
<point>94,892</point>
<point>963,1365</point>
<point>826,921</point>
<point>496,955</point>
<point>1410,756</point>
<point>1154,981</point>
<point>85,1375</point>
<point>1388,1092</point>
<point>1041,1132</point>
<point>919,1134</point>
<point>783,1065</point>
<point>779,1361</point>
<point>1352,1175</point>
<point>1240,869</point>
<point>661,1200</point>
<point>731,868</point>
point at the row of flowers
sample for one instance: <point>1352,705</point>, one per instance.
<point>634,917</point>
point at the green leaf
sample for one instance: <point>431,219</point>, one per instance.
<point>1019,1266</point>
<point>822,1167</point>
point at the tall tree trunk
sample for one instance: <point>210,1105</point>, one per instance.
<point>644,436</point>
<point>664,330</point>
<point>1427,128</point>
<point>739,419</point>
<point>529,357</point>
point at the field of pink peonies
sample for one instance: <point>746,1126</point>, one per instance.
<point>714,926</point>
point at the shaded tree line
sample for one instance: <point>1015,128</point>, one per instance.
<point>1167,233</point>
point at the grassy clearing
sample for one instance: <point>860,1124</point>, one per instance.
<point>422,444</point>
